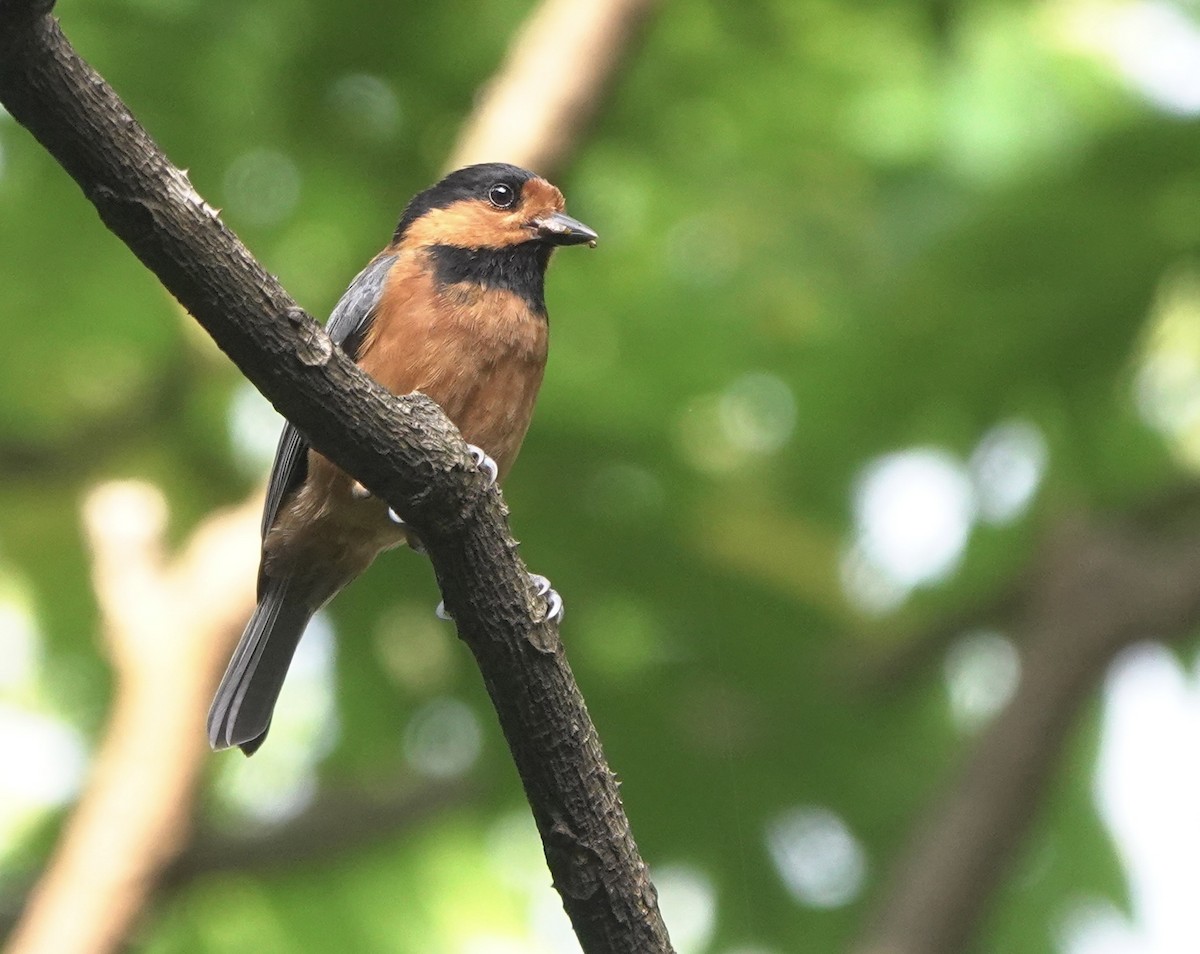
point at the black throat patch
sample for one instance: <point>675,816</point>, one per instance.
<point>519,269</point>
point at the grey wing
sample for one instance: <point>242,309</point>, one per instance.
<point>287,473</point>
<point>352,315</point>
<point>347,326</point>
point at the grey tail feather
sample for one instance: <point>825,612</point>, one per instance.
<point>241,710</point>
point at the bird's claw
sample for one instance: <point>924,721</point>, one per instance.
<point>554,603</point>
<point>410,538</point>
<point>484,463</point>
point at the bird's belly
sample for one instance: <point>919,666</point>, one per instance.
<point>492,407</point>
<point>327,534</point>
<point>480,354</point>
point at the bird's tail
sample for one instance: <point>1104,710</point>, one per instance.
<point>241,710</point>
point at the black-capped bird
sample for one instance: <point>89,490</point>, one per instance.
<point>454,308</point>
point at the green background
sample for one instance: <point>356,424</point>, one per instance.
<point>830,231</point>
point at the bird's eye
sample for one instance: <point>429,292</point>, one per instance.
<point>502,196</point>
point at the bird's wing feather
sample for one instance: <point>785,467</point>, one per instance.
<point>241,709</point>
<point>347,326</point>
<point>352,315</point>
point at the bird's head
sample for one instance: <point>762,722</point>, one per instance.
<point>493,205</point>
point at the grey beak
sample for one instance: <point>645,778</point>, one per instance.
<point>560,229</point>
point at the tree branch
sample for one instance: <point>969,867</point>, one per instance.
<point>402,449</point>
<point>1094,591</point>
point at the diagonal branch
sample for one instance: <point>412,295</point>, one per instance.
<point>402,449</point>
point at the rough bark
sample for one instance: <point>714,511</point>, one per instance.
<point>402,449</point>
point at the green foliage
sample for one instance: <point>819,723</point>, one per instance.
<point>829,231</point>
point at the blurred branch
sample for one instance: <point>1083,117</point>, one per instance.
<point>403,449</point>
<point>1095,590</point>
<point>95,435</point>
<point>910,654</point>
<point>913,654</point>
<point>338,821</point>
<point>168,628</point>
<point>552,83</point>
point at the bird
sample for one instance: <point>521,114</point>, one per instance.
<point>454,307</point>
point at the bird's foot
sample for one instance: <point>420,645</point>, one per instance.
<point>410,539</point>
<point>484,463</point>
<point>554,602</point>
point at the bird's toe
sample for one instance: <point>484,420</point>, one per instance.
<point>555,609</point>
<point>485,464</point>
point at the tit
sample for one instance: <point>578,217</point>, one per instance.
<point>455,308</point>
